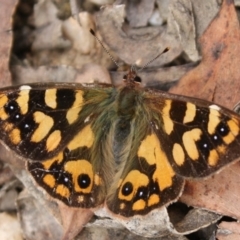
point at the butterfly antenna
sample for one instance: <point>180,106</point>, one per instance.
<point>164,51</point>
<point>106,50</point>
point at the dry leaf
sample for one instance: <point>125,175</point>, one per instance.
<point>149,40</point>
<point>10,227</point>
<point>73,220</point>
<point>219,66</point>
<point>217,79</point>
<point>228,231</point>
<point>36,221</point>
<point>219,193</point>
<point>7,8</point>
<point>138,13</point>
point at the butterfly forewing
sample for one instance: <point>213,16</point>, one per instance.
<point>38,120</point>
<point>199,137</point>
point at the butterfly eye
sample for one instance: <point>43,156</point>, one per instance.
<point>138,79</point>
<point>127,188</point>
<point>84,180</point>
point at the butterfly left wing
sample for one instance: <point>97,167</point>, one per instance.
<point>54,126</point>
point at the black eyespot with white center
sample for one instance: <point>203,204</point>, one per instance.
<point>142,192</point>
<point>216,139</point>
<point>127,188</point>
<point>64,178</point>
<point>13,110</point>
<point>153,188</point>
<point>84,180</point>
<point>204,145</point>
<point>222,129</point>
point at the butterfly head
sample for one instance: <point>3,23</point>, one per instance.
<point>131,78</point>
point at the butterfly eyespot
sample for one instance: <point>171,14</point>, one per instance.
<point>26,126</point>
<point>84,180</point>
<point>215,137</point>
<point>142,192</point>
<point>17,116</point>
<point>11,107</point>
<point>222,129</point>
<point>205,145</point>
<point>127,188</point>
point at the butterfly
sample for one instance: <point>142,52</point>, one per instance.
<point>128,147</point>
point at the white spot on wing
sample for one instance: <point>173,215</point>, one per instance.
<point>25,87</point>
<point>216,107</point>
<point>87,119</point>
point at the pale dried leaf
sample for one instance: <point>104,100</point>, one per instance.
<point>219,193</point>
<point>228,231</point>
<point>110,20</point>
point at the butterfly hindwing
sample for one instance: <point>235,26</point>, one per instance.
<point>73,176</point>
<point>55,124</point>
<point>147,180</point>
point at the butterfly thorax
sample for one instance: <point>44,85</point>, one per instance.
<point>128,95</point>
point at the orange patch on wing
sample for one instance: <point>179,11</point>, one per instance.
<point>84,138</point>
<point>15,136</point>
<point>139,205</point>
<point>51,98</point>
<point>3,101</point>
<point>53,140</point>
<point>153,200</point>
<point>77,168</point>
<point>45,124</point>
<point>178,154</point>
<point>190,112</point>
<point>189,141</point>
<point>63,191</point>
<point>49,180</point>
<point>167,121</point>
<point>73,112</point>
<point>150,149</point>
<point>22,100</point>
